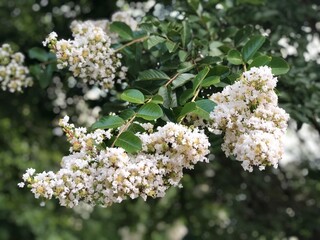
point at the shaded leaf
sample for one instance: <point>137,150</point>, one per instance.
<point>122,29</point>
<point>151,74</point>
<point>185,67</point>
<point>171,46</point>
<point>185,34</point>
<point>181,80</point>
<point>199,78</point>
<point>260,61</point>
<point>154,40</point>
<point>108,122</point>
<point>279,66</point>
<point>209,81</point>
<point>234,57</point>
<point>126,114</point>
<point>252,46</point>
<point>129,142</point>
<point>187,108</point>
<point>135,128</point>
<point>165,93</point>
<point>38,53</point>
<point>158,99</point>
<point>185,96</point>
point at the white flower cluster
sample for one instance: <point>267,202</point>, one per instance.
<point>137,10</point>
<point>14,76</point>
<point>253,124</point>
<point>89,55</point>
<point>97,175</point>
<point>125,16</point>
<point>119,16</point>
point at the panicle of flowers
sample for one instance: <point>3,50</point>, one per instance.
<point>252,123</point>
<point>105,175</point>
<point>89,55</point>
<point>82,141</point>
<point>14,76</point>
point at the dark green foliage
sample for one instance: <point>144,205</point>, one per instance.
<point>219,200</point>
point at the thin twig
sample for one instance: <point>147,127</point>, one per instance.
<point>132,42</point>
<point>172,79</point>
<point>124,128</point>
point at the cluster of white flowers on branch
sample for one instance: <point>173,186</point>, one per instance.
<point>105,175</point>
<point>104,24</point>
<point>14,76</point>
<point>247,113</point>
<point>125,16</point>
<point>89,55</point>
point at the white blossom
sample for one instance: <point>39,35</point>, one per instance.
<point>96,175</point>
<point>14,76</point>
<point>89,55</point>
<point>248,115</point>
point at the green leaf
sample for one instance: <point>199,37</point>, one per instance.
<point>196,6</point>
<point>38,53</point>
<point>234,57</point>
<point>254,2</point>
<point>215,44</point>
<point>252,46</point>
<point>199,78</point>
<point>232,77</point>
<point>209,60</point>
<point>279,66</point>
<point>36,71</point>
<point>185,96</point>
<point>185,34</point>
<point>171,46</point>
<point>187,108</point>
<point>133,96</point>
<point>242,35</point>
<point>44,76</point>
<point>129,142</point>
<point>219,70</point>
<point>154,40</point>
<point>157,99</point>
<point>126,114</point>
<point>108,122</point>
<point>181,80</point>
<point>122,29</point>
<point>135,128</point>
<point>204,107</point>
<point>185,67</point>
<point>150,111</point>
<point>209,81</point>
<point>260,61</point>
<point>182,55</point>
<point>165,93</point>
<point>151,74</point>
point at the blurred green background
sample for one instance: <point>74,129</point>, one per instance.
<point>219,200</point>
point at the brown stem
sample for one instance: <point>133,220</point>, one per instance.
<point>124,128</point>
<point>130,43</point>
<point>172,79</point>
